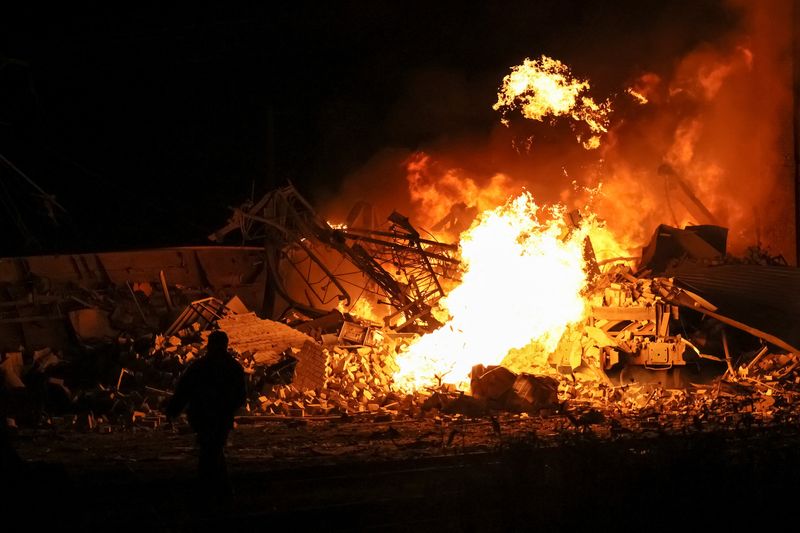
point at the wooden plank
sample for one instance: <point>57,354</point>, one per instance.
<point>663,321</point>
<point>624,313</point>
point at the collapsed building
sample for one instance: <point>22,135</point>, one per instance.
<point>319,313</point>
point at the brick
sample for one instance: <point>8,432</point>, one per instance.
<point>309,373</point>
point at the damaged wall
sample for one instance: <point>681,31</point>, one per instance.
<point>36,291</point>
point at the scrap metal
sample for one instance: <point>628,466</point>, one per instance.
<point>405,267</point>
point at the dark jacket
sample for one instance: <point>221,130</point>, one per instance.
<point>211,390</point>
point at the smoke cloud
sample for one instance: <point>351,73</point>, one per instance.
<point>712,143</point>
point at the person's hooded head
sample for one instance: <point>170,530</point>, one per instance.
<point>217,343</point>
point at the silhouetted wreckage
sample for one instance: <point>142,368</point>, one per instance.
<point>403,268</point>
<point>98,340</point>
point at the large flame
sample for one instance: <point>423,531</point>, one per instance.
<point>544,87</point>
<point>524,274</point>
<point>437,190</point>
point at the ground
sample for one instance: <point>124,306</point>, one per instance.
<point>431,474</point>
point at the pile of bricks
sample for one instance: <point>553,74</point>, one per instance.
<point>359,378</point>
<point>356,379</point>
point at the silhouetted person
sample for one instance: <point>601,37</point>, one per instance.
<point>211,390</point>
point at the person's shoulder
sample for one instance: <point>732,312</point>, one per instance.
<point>197,365</point>
<point>198,361</point>
<point>234,363</point>
<point>231,364</point>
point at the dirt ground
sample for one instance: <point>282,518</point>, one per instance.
<point>433,474</point>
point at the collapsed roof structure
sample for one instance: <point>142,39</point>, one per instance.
<point>398,265</point>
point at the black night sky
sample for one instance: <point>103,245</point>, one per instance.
<point>146,124</point>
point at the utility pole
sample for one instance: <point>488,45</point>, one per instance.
<point>271,249</point>
<point>796,122</point>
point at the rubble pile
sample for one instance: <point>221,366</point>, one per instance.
<point>359,378</point>
<point>349,371</point>
<point>354,379</point>
<point>651,350</point>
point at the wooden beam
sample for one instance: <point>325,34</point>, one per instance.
<point>772,339</point>
<point>624,313</point>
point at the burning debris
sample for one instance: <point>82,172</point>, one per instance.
<point>524,319</point>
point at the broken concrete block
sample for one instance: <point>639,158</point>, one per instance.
<point>465,405</point>
<point>535,392</point>
<point>236,305</point>
<point>491,382</point>
<point>265,339</point>
<point>311,364</point>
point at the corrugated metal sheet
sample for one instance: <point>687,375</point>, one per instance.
<point>766,297</point>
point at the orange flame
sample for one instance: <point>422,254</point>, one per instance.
<point>436,191</point>
<point>363,309</point>
<point>640,98</point>
<point>545,87</point>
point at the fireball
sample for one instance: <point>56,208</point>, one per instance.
<point>545,88</point>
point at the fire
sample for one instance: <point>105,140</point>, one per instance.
<point>524,275</point>
<point>636,95</point>
<point>436,191</point>
<point>545,87</point>
<point>362,308</point>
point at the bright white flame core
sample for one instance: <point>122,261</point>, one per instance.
<point>524,274</point>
